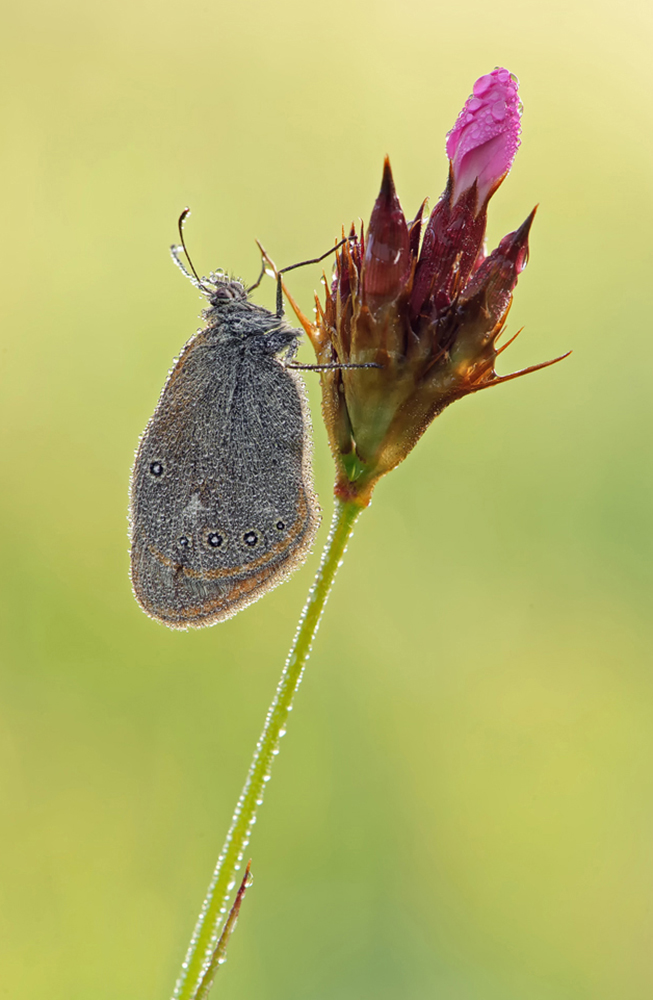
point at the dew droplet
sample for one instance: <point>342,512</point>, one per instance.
<point>482,85</point>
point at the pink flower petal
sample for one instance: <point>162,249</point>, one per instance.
<point>483,142</point>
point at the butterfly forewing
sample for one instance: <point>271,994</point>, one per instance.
<point>222,504</point>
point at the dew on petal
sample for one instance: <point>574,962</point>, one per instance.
<point>485,138</point>
<point>482,85</point>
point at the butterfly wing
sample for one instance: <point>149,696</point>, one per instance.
<point>222,503</point>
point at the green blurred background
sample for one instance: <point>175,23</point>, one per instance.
<point>463,808</point>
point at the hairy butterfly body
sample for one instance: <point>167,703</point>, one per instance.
<point>222,502</point>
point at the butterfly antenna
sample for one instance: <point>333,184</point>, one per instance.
<point>193,277</point>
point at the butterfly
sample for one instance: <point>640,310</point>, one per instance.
<point>222,504</point>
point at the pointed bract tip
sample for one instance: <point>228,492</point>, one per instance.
<point>387,250</point>
<point>387,181</point>
<point>420,214</point>
<point>524,230</point>
<point>514,246</point>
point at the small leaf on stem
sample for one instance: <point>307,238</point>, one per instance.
<point>219,956</point>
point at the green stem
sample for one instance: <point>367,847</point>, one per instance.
<point>199,966</point>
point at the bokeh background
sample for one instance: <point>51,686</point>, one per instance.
<point>463,808</point>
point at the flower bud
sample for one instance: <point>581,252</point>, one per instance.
<point>482,144</point>
<point>427,319</point>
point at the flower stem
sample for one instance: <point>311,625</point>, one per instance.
<point>198,968</point>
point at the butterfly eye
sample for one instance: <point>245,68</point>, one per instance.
<point>184,542</point>
<point>250,538</point>
<point>280,525</point>
<point>156,469</point>
<point>214,539</point>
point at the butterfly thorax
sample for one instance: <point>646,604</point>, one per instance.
<point>232,319</point>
